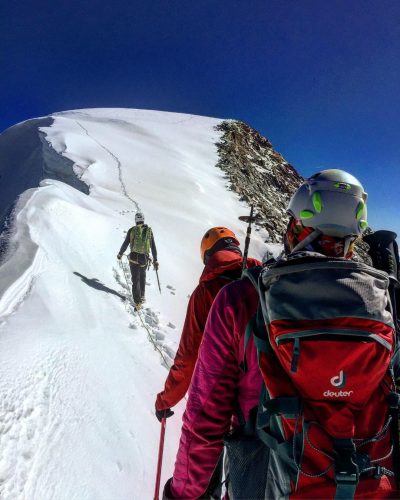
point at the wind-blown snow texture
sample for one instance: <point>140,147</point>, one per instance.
<point>78,371</point>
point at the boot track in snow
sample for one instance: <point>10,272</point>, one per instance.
<point>147,318</point>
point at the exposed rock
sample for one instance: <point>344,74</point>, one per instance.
<point>261,177</point>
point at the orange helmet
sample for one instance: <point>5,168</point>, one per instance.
<point>212,236</point>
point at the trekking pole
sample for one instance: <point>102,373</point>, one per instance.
<point>384,253</point>
<point>160,457</point>
<point>158,279</point>
<point>249,219</point>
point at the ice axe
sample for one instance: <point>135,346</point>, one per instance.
<point>158,279</point>
<point>155,267</point>
<point>249,219</point>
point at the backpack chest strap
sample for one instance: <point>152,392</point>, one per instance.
<point>347,473</point>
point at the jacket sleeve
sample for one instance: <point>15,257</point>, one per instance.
<point>181,372</point>
<point>210,406</point>
<point>125,243</point>
<point>153,247</point>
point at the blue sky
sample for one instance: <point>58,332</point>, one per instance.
<point>319,78</point>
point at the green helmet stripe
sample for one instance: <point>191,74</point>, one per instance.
<point>343,185</point>
<point>317,202</point>
<point>360,210</point>
<point>306,214</point>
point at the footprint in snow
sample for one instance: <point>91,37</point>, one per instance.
<point>156,332</point>
<point>169,352</point>
<point>151,318</point>
<point>159,335</point>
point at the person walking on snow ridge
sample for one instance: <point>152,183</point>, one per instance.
<point>223,260</point>
<point>220,252</point>
<point>327,214</point>
<point>140,239</point>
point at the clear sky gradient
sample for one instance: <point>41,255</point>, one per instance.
<point>319,78</point>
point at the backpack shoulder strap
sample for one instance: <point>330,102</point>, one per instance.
<point>253,273</point>
<point>132,234</point>
<point>147,237</point>
<point>256,326</point>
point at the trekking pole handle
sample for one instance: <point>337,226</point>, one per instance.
<point>247,241</point>
<point>160,458</point>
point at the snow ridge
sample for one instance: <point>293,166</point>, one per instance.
<point>79,371</point>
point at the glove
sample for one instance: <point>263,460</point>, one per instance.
<point>119,256</point>
<point>156,265</point>
<point>167,495</point>
<point>160,414</point>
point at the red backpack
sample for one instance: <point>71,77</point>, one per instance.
<point>325,338</point>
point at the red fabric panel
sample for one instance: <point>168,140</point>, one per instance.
<point>343,385</point>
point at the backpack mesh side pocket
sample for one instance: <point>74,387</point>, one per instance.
<point>248,464</point>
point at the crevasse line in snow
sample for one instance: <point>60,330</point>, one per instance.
<point>116,160</point>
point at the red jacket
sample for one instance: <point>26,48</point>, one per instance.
<point>223,263</point>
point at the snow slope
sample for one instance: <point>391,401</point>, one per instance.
<point>78,371</point>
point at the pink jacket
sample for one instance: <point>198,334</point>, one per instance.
<point>218,386</point>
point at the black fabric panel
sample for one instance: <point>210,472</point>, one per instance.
<point>248,465</point>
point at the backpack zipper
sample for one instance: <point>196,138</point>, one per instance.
<point>362,334</point>
<point>295,355</point>
<point>296,336</point>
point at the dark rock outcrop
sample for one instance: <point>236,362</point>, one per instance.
<point>262,177</point>
<point>258,174</point>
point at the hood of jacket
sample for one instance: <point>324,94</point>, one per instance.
<point>222,262</point>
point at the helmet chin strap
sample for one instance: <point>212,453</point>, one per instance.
<point>347,242</point>
<point>310,238</point>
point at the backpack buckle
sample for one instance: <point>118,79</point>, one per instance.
<point>379,472</point>
<point>346,469</point>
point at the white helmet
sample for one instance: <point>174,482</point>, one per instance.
<point>332,202</point>
<point>139,217</point>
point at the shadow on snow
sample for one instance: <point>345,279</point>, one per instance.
<point>95,283</point>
